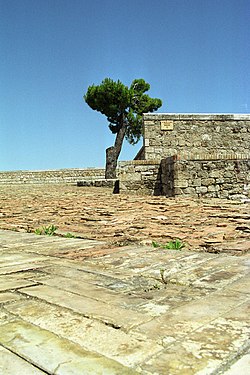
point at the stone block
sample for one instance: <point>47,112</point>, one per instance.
<point>213,188</point>
<point>219,180</point>
<point>178,191</point>
<point>207,181</point>
<point>189,191</point>
<point>195,182</point>
<point>201,189</point>
<point>215,174</point>
<point>181,184</point>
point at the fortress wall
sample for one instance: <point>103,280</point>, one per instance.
<point>183,134</point>
<point>195,155</point>
<point>57,176</point>
<point>208,176</point>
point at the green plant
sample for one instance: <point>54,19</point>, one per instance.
<point>49,230</point>
<point>171,245</point>
<point>156,244</point>
<point>175,245</point>
<point>38,231</point>
<point>69,235</point>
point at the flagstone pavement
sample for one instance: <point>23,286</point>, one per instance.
<point>135,310</point>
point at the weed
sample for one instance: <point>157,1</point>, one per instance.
<point>69,235</point>
<point>156,244</point>
<point>171,245</point>
<point>49,230</point>
<point>175,245</point>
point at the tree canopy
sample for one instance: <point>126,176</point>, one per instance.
<point>121,103</point>
<point>123,106</point>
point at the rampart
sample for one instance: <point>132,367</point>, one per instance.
<point>56,176</point>
<point>197,155</point>
<point>209,176</point>
<point>193,134</point>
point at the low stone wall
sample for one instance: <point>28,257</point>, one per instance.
<point>140,177</point>
<point>59,176</point>
<point>209,176</point>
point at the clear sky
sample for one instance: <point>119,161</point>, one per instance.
<point>194,53</point>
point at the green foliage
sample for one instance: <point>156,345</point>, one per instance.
<point>69,235</point>
<point>122,105</point>
<point>49,230</point>
<point>171,245</point>
<point>175,245</point>
<point>156,244</point>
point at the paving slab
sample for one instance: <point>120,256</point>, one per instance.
<point>91,334</point>
<point>90,307</point>
<point>134,309</point>
<point>55,355</point>
<point>240,367</point>
<point>12,364</point>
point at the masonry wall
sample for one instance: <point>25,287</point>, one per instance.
<point>140,177</point>
<point>60,176</point>
<point>207,176</point>
<point>183,134</point>
<point>198,155</point>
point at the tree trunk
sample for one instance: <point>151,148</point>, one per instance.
<point>111,163</point>
<point>112,153</point>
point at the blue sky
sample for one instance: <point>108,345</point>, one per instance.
<point>194,53</point>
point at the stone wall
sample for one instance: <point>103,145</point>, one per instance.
<point>210,176</point>
<point>68,176</point>
<point>198,155</point>
<point>140,176</point>
<point>183,134</point>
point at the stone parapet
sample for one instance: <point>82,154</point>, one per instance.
<point>212,156</point>
<point>224,177</point>
<point>57,176</point>
<point>140,177</point>
<point>196,116</point>
<point>171,134</point>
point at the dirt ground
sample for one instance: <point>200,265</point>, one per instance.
<point>95,213</point>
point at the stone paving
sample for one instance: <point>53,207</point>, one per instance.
<point>212,225</point>
<point>132,310</point>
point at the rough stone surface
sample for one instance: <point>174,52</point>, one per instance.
<point>115,314</point>
<point>92,213</point>
<point>219,178</point>
<point>195,134</point>
<point>140,177</point>
<point>11,364</point>
<point>192,155</point>
<point>197,155</point>
<point>56,176</point>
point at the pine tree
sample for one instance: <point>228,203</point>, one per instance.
<point>123,106</point>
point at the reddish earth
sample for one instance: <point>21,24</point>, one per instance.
<point>95,213</point>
